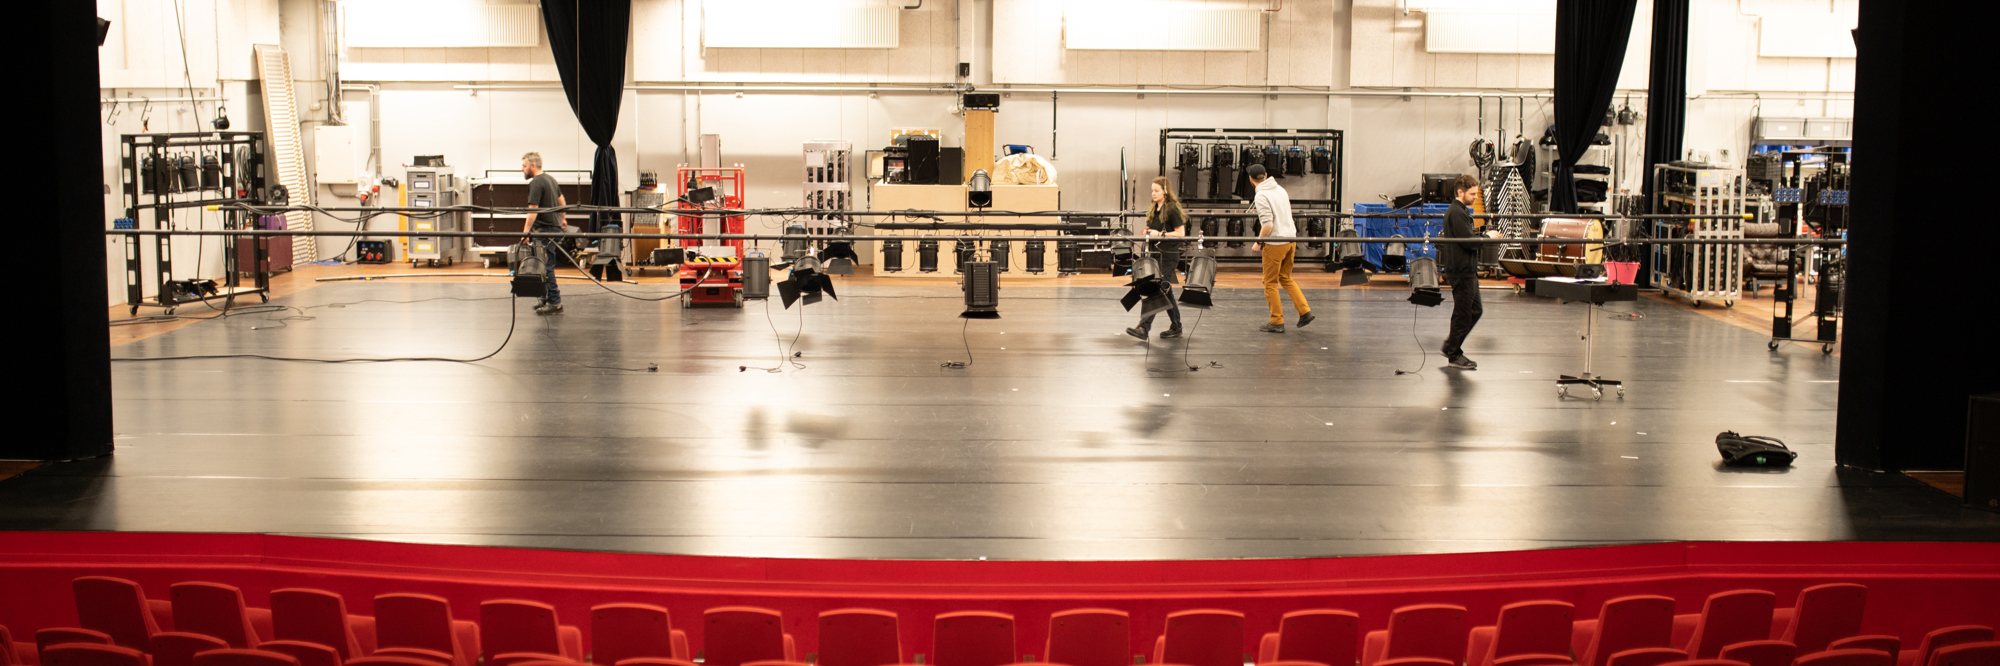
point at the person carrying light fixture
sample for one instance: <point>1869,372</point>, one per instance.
<point>1274,217</point>
<point>543,192</point>
<point>1163,218</point>
<point>1460,264</point>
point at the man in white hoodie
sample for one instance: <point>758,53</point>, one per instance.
<point>1274,217</point>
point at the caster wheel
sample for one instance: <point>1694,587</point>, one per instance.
<point>1562,391</point>
<point>1697,305</point>
<point>1729,304</point>
<point>1826,349</point>
<point>263,298</point>
<point>1621,393</point>
<point>486,263</point>
<point>1597,394</point>
<point>1773,346</point>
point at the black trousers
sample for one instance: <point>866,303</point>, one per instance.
<point>1173,313</point>
<point>1465,311</point>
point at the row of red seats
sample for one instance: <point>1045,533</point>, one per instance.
<point>208,624</point>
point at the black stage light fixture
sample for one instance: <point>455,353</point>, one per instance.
<point>1200,289</point>
<point>1211,226</point>
<point>997,252</point>
<point>927,256</point>
<point>796,244</point>
<point>839,258</point>
<point>979,190</point>
<point>1235,228</point>
<point>892,256</point>
<point>1036,252</point>
<point>1249,154</point>
<point>1149,289</point>
<point>1121,260</point>
<point>1394,255</point>
<point>1424,282</point>
<point>962,252</point>
<point>1069,257</point>
<point>1316,227</point>
<point>1221,171</point>
<point>982,290</point>
<point>1322,159</point>
<point>530,271</point>
<point>1189,163</point>
<point>756,277</point>
<point>1295,160</point>
<point>1274,161</point>
<point>604,265</point>
<point>808,281</point>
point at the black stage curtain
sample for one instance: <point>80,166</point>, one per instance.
<point>588,38</point>
<point>1590,49</point>
<point>1666,88</point>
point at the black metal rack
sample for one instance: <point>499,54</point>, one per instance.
<point>164,172</point>
<point>1220,156</point>
<point>1326,196</point>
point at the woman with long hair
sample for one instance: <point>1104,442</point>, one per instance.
<point>1163,218</point>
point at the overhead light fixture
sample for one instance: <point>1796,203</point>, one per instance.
<point>927,256</point>
<point>756,276</point>
<point>982,290</point>
<point>962,253</point>
<point>979,190</point>
<point>1037,256</point>
<point>1200,288</point>
<point>1424,282</point>
<point>796,243</point>
<point>1069,257</point>
<point>807,282</point>
<point>998,251</point>
<point>892,255</point>
<point>1349,255</point>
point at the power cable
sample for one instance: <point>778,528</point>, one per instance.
<point>512,318</point>
<point>1422,355</point>
<point>963,337</point>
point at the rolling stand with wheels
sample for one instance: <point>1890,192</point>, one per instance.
<point>1596,293</point>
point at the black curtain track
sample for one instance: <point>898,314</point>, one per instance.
<point>1666,89</point>
<point>1590,49</point>
<point>588,39</point>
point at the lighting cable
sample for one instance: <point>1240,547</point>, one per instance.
<point>962,337</point>
<point>512,319</point>
<point>1422,355</point>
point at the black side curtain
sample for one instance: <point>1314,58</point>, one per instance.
<point>1590,49</point>
<point>1666,88</point>
<point>588,38</point>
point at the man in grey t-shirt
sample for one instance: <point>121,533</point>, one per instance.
<point>544,193</point>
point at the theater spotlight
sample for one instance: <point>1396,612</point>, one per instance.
<point>796,243</point>
<point>1200,287</point>
<point>1348,255</point>
<point>807,281</point>
<point>997,252</point>
<point>756,277</point>
<point>1121,260</point>
<point>1149,288</point>
<point>1069,257</point>
<point>839,258</point>
<point>979,190</point>
<point>892,254</point>
<point>1424,282</point>
<point>927,256</point>
<point>963,251</point>
<point>982,290</point>
<point>1037,251</point>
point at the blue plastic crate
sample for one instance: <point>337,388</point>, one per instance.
<point>1418,227</point>
<point>124,223</point>
<point>1373,227</point>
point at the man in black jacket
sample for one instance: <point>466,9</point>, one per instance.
<point>1459,263</point>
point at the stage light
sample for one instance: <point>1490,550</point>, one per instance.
<point>1200,288</point>
<point>1121,260</point>
<point>1349,255</point>
<point>1069,257</point>
<point>982,290</point>
<point>892,255</point>
<point>795,247</point>
<point>604,265</point>
<point>808,281</point>
<point>979,190</point>
<point>839,258</point>
<point>756,277</point>
<point>997,251</point>
<point>1037,255</point>
<point>927,256</point>
<point>530,271</point>
<point>962,251</point>
<point>1149,288</point>
<point>1424,282</point>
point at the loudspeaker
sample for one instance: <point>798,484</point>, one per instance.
<point>923,160</point>
<point>987,101</point>
<point>951,166</point>
<point>1982,452</point>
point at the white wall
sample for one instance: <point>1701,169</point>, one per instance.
<point>1310,45</point>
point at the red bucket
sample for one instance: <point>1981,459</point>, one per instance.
<point>1622,272</point>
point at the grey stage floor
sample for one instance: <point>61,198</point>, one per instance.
<point>1059,442</point>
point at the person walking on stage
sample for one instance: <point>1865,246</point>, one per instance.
<point>1274,218</point>
<point>544,193</point>
<point>1164,218</point>
<point>1459,262</point>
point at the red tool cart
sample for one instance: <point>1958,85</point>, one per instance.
<point>714,280</point>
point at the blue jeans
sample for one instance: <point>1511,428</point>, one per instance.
<point>551,252</point>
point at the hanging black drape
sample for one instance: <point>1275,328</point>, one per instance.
<point>1666,88</point>
<point>588,39</point>
<point>1590,49</point>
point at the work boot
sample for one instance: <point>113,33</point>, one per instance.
<point>549,309</point>
<point>1305,318</point>
<point>1461,362</point>
<point>1272,328</point>
<point>1174,332</point>
<point>1136,332</point>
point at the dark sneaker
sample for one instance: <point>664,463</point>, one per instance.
<point>1136,332</point>
<point>1272,328</point>
<point>1306,318</point>
<point>549,309</point>
<point>1463,363</point>
<point>1174,332</point>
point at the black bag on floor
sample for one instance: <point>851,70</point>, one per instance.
<point>1753,451</point>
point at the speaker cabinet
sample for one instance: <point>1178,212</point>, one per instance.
<point>1982,452</point>
<point>923,160</point>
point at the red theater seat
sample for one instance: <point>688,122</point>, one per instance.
<point>775,662</point>
<point>1706,662</point>
<point>1534,660</point>
<point>1433,631</point>
<point>1646,657</point>
<point>1201,637</point>
<point>215,609</point>
<point>1415,661</point>
<point>319,616</point>
<point>178,648</point>
<point>630,631</point>
<point>523,659</point>
<point>652,661</point>
<point>1090,637</point>
<point>1761,653</point>
<point>48,638</point>
<point>433,656</point>
<point>1824,614</point>
<point>1846,658</point>
<point>235,657</point>
<point>1889,644</point>
<point>517,625</point>
<point>1986,653</point>
<point>1728,618</point>
<point>1524,628</point>
<point>1331,637</point>
<point>1292,663</point>
<point>736,635</point>
<point>422,621</point>
<point>1944,638</point>
<point>975,638</point>
<point>308,654</point>
<point>380,660</point>
<point>859,637</point>
<point>1627,623</point>
<point>15,654</point>
<point>91,654</point>
<point>119,607</point>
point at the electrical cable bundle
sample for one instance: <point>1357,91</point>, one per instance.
<point>1483,153</point>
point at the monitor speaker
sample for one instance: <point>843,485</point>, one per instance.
<point>923,161</point>
<point>1982,452</point>
<point>951,166</point>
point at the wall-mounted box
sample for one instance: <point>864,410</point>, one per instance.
<point>333,154</point>
<point>1778,128</point>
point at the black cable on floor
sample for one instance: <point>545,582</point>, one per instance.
<point>513,316</point>
<point>962,336</point>
<point>1422,355</point>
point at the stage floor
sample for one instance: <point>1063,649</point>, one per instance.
<point>1064,440</point>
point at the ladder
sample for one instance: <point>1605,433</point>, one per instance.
<point>288,155</point>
